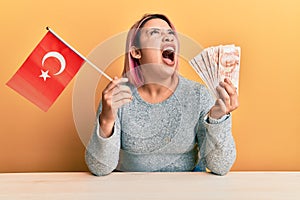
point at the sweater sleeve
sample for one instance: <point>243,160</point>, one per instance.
<point>215,140</point>
<point>102,154</point>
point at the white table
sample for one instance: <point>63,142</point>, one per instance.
<point>121,185</point>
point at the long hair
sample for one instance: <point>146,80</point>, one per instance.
<point>131,65</point>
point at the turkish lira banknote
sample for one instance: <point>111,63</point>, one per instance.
<point>214,64</point>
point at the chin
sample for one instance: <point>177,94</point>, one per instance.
<point>168,71</point>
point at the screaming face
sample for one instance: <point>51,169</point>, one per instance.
<point>158,44</point>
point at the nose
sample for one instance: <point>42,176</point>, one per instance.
<point>168,37</point>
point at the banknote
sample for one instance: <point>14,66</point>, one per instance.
<point>199,66</point>
<point>216,63</point>
<point>213,54</point>
<point>229,64</point>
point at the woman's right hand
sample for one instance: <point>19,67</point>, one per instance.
<point>113,97</point>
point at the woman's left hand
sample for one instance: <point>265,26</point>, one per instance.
<point>227,102</point>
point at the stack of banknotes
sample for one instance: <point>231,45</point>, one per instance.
<point>214,64</point>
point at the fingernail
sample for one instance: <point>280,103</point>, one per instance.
<point>124,79</point>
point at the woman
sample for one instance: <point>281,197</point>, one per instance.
<point>153,119</point>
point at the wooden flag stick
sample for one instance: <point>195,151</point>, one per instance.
<point>79,54</point>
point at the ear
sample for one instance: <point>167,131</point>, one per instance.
<point>135,52</point>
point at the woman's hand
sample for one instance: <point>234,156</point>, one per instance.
<point>113,96</point>
<point>227,102</point>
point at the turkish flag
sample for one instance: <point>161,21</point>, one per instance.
<point>46,72</point>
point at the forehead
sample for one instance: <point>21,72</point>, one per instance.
<point>159,23</point>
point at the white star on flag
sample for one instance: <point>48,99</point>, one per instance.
<point>45,75</point>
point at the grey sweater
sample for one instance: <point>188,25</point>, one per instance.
<point>174,135</point>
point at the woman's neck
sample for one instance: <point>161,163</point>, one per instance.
<point>157,92</point>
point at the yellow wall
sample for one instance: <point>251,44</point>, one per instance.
<point>265,127</point>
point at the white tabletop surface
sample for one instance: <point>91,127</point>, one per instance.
<point>121,185</point>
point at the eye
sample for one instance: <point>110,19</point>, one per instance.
<point>154,31</point>
<point>171,32</point>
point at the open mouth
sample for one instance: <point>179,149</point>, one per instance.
<point>168,55</point>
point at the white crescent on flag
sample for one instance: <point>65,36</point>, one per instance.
<point>57,56</point>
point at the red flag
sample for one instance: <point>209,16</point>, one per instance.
<point>46,72</point>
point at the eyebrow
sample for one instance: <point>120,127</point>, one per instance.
<point>151,29</point>
<point>157,29</point>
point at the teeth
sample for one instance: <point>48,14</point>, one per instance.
<point>169,49</point>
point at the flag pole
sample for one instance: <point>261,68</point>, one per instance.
<point>79,54</point>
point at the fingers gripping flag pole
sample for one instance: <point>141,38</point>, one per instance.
<point>48,70</point>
